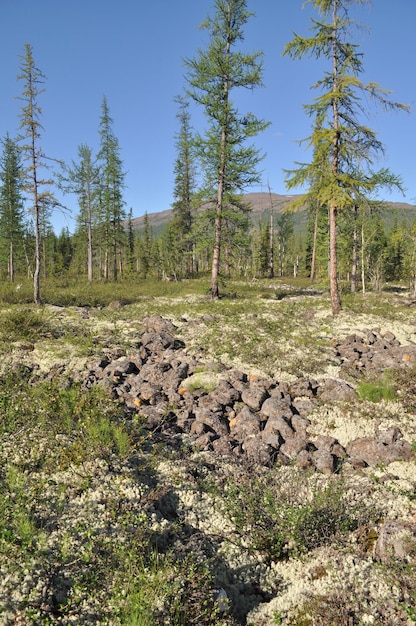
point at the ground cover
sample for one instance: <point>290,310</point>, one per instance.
<point>107,522</point>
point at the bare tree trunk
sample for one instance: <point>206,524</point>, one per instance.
<point>354,268</point>
<point>106,264</point>
<point>11,263</point>
<point>89,239</point>
<point>38,242</point>
<point>271,236</point>
<point>362,260</point>
<point>314,244</point>
<point>333,279</point>
<point>217,245</point>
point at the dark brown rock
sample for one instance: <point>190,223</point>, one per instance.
<point>274,407</point>
<point>245,423</point>
<point>258,451</point>
<point>374,452</point>
<point>336,390</point>
<point>396,540</point>
<point>254,398</point>
<point>324,461</point>
<point>293,446</point>
<point>279,424</point>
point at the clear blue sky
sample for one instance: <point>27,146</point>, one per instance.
<point>131,51</point>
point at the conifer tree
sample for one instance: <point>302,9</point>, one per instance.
<point>184,191</point>
<point>340,139</point>
<point>31,128</point>
<point>111,191</point>
<point>213,76</point>
<point>82,178</point>
<point>11,204</point>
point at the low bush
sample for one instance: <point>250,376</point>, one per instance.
<point>284,517</point>
<point>375,391</point>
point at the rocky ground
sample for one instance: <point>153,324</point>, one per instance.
<point>295,491</point>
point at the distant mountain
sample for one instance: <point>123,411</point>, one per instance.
<point>260,208</point>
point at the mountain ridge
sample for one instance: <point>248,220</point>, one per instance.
<point>260,206</point>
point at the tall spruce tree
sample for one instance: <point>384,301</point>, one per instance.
<point>11,204</point>
<point>31,128</point>
<point>82,178</point>
<point>111,191</point>
<point>230,164</point>
<point>184,191</point>
<point>340,139</point>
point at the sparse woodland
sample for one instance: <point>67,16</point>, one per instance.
<point>211,423</point>
<point>211,230</point>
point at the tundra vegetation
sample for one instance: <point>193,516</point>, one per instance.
<point>108,521</point>
<point>119,503</point>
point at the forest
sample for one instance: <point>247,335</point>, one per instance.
<point>339,232</point>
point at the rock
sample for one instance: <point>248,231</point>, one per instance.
<point>324,461</point>
<point>245,423</point>
<point>258,452</point>
<point>279,424</point>
<point>336,390</point>
<point>157,324</point>
<point>274,407</point>
<point>396,540</point>
<point>214,421</point>
<point>293,446</point>
<point>120,368</point>
<point>303,388</point>
<point>254,398</point>
<point>374,452</point>
<point>303,406</point>
<point>300,425</point>
<point>389,436</point>
<point>255,417</point>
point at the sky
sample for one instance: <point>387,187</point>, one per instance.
<point>132,52</point>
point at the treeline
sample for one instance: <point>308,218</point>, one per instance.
<point>211,228</point>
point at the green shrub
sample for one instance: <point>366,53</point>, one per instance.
<point>282,517</point>
<point>23,324</point>
<point>375,391</point>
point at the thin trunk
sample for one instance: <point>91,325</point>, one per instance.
<point>11,263</point>
<point>314,244</point>
<point>271,237</point>
<point>38,243</point>
<point>362,260</point>
<point>217,241</point>
<point>106,263</point>
<point>89,236</point>
<point>115,269</point>
<point>333,279</point>
<point>354,268</point>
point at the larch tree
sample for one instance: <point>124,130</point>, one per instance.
<point>111,190</point>
<point>340,138</point>
<point>229,162</point>
<point>31,127</point>
<point>11,203</point>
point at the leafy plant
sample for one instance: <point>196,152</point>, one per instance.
<point>23,324</point>
<point>286,518</point>
<point>375,391</point>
